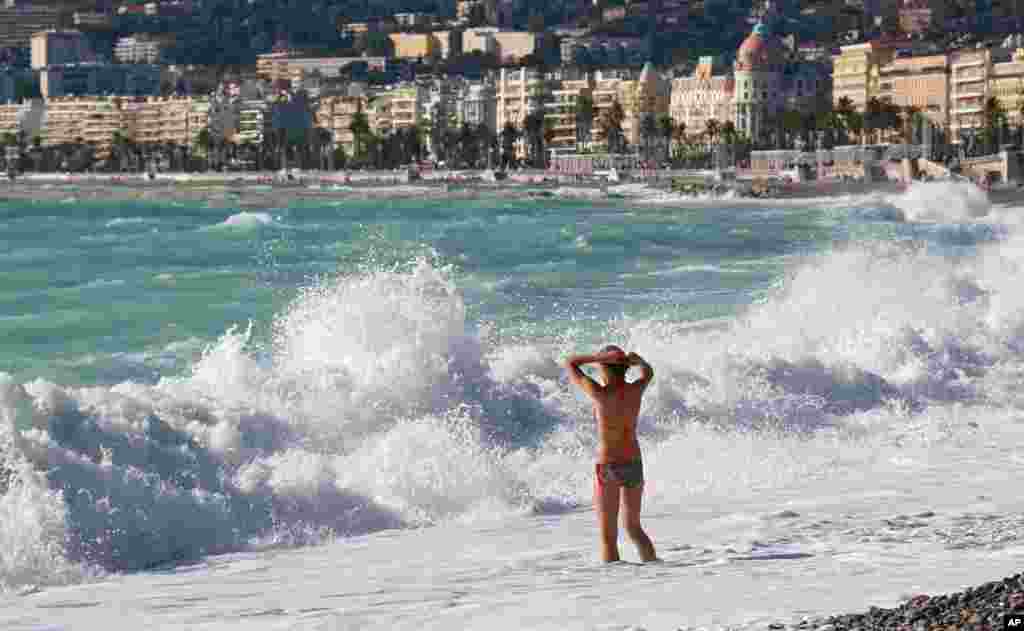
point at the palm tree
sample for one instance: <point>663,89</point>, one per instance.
<point>1020,115</point>
<point>323,138</point>
<point>584,112</point>
<point>994,120</point>
<point>118,144</point>
<point>533,128</point>
<point>711,130</point>
<point>203,142</point>
<point>360,128</point>
<point>666,127</point>
<point>792,124</point>
<point>648,132</point>
<point>610,124</point>
<point>679,135</point>
<point>485,140</point>
<point>874,117</point>
<point>509,135</point>
<point>845,113</point>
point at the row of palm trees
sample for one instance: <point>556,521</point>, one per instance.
<point>474,146</point>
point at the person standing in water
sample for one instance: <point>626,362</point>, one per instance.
<point>619,473</point>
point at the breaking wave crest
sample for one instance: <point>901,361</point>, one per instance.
<point>376,405</point>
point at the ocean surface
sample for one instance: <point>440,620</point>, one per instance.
<point>350,414</point>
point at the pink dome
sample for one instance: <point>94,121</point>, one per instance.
<point>760,51</point>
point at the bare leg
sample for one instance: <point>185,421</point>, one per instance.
<point>631,502</point>
<point>606,503</point>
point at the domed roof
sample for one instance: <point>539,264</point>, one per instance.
<point>760,51</point>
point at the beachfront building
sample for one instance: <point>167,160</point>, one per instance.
<point>561,118</point>
<point>89,119</point>
<point>969,77</point>
<point>159,120</point>
<point>920,82</point>
<point>758,97</point>
<point>975,76</point>
<point>406,106</point>
<point>704,97</point>
<point>336,113</point>
<point>475,104</point>
<point>519,92</point>
<point>1007,84</point>
<point>855,72</point>
<point>25,118</point>
<point>646,97</point>
<point>254,115</point>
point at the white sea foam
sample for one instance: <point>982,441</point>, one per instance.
<point>942,201</point>
<point>247,219</point>
<point>376,407</point>
<point>122,221</point>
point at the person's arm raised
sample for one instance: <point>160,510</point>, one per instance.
<point>580,378</point>
<point>646,372</point>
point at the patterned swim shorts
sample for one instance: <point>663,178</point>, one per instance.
<point>628,474</point>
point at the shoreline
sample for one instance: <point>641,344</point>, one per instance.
<point>978,608</point>
<point>263,190</point>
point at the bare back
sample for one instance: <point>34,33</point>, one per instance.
<point>616,409</point>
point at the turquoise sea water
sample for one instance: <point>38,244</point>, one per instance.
<point>96,292</point>
<point>401,368</point>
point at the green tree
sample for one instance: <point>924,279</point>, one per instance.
<point>360,128</point>
<point>610,125</point>
<point>509,136</point>
<point>845,114</point>
<point>648,132</point>
<point>533,129</point>
<point>204,143</point>
<point>584,115</point>
<point>679,136</point>
<point>119,147</point>
<point>874,118</point>
<point>711,130</point>
<point>666,127</point>
<point>994,119</point>
<point>792,125</point>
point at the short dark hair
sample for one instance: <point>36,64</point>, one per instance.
<point>619,370</point>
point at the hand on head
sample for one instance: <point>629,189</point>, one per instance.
<point>613,355</point>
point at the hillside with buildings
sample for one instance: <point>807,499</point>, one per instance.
<point>502,82</point>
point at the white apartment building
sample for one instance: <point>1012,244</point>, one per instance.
<point>518,92</point>
<point>139,50</point>
<point>476,105</point>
